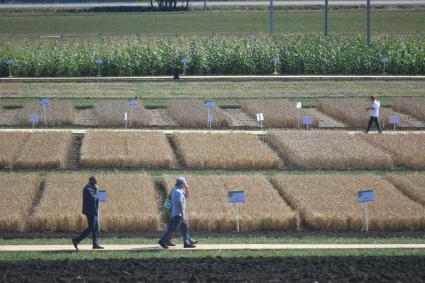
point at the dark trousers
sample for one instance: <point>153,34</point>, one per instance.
<point>93,227</point>
<point>376,121</point>
<point>173,226</point>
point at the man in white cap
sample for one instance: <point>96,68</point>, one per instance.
<point>179,216</point>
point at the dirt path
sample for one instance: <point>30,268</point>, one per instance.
<point>161,118</point>
<point>85,117</point>
<point>325,121</point>
<point>45,248</point>
<point>241,119</point>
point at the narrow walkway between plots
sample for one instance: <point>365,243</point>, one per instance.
<point>153,247</point>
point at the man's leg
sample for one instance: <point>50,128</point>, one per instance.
<point>369,124</point>
<point>89,229</point>
<point>378,125</point>
<point>172,228</point>
<point>96,229</point>
<point>184,226</point>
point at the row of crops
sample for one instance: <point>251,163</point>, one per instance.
<point>309,54</point>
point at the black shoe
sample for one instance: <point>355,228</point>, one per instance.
<point>193,241</point>
<point>97,247</point>
<point>191,246</point>
<point>170,244</point>
<point>163,245</point>
<point>74,242</point>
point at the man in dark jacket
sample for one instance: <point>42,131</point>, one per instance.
<point>90,210</point>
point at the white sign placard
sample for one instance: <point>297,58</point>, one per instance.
<point>299,106</point>
<point>260,117</point>
<point>125,116</point>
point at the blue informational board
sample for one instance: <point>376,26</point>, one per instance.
<point>208,104</point>
<point>33,118</point>
<point>308,120</point>
<point>184,59</point>
<point>236,196</point>
<point>275,58</point>
<point>44,101</point>
<point>102,196</point>
<point>385,60</point>
<point>394,119</point>
<point>99,61</point>
<point>132,101</point>
<point>365,196</point>
<point>9,61</point>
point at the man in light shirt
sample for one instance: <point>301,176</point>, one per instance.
<point>374,114</point>
<point>179,216</point>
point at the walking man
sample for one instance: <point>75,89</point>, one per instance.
<point>374,114</point>
<point>91,211</point>
<point>179,217</point>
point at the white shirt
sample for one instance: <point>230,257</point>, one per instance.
<point>374,112</point>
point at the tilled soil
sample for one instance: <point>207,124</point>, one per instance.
<point>217,269</point>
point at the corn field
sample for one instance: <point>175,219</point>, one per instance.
<point>224,151</point>
<point>308,54</point>
<point>209,209</point>
<point>101,149</point>
<point>329,202</point>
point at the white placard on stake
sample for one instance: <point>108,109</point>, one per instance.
<point>299,105</point>
<point>260,117</point>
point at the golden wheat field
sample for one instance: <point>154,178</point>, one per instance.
<point>408,150</point>
<point>412,185</point>
<point>353,111</point>
<point>126,149</point>
<point>58,112</point>
<point>132,205</point>
<point>192,113</point>
<point>414,106</point>
<point>328,150</point>
<point>111,112</point>
<point>277,112</point>
<point>209,209</point>
<point>329,202</point>
<point>11,145</point>
<point>236,150</point>
<point>18,192</point>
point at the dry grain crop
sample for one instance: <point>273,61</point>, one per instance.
<point>235,150</point>
<point>353,111</point>
<point>132,203</point>
<point>328,150</point>
<point>126,149</point>
<point>192,113</point>
<point>408,150</point>
<point>414,106</point>
<point>58,112</point>
<point>209,210</point>
<point>45,150</point>
<point>111,112</point>
<point>18,192</point>
<point>329,202</point>
<point>412,185</point>
<point>277,112</point>
<point>10,147</point>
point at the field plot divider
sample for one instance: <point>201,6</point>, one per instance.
<point>402,191</point>
<point>36,201</point>
<point>161,190</point>
<point>179,157</point>
<point>286,162</point>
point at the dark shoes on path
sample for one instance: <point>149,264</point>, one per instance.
<point>74,242</point>
<point>97,247</point>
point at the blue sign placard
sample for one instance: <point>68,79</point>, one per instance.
<point>385,60</point>
<point>365,196</point>
<point>236,196</point>
<point>9,61</point>
<point>132,102</point>
<point>275,58</point>
<point>208,104</point>
<point>308,120</point>
<point>44,101</point>
<point>33,118</point>
<point>184,59</point>
<point>394,119</point>
<point>102,196</point>
<point>99,61</point>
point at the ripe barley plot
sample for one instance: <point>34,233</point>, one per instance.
<point>209,209</point>
<point>414,106</point>
<point>329,202</point>
<point>277,112</point>
<point>132,203</point>
<point>328,150</point>
<point>226,151</point>
<point>58,112</point>
<point>126,149</point>
<point>18,192</point>
<point>353,111</point>
<point>412,185</point>
<point>408,150</point>
<point>35,150</point>
<point>111,112</point>
<point>192,113</point>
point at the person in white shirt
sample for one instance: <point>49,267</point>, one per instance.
<point>374,114</point>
